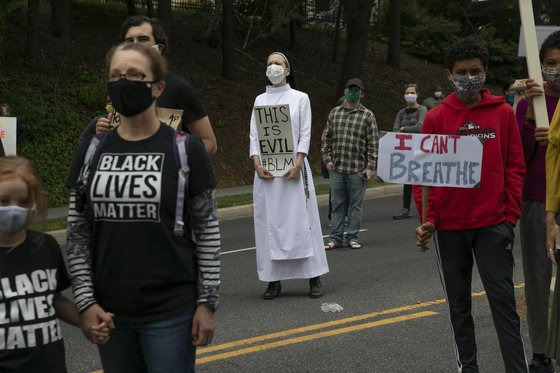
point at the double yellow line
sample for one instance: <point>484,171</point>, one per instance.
<point>205,354</point>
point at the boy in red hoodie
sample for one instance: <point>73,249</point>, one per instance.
<point>478,223</point>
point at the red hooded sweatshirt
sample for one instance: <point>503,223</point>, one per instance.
<point>499,197</point>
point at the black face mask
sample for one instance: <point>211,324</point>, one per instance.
<point>130,97</point>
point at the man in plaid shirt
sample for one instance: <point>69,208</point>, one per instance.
<point>349,146</point>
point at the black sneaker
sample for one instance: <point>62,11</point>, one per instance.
<point>273,290</point>
<point>315,287</point>
<point>405,213</point>
<point>541,366</point>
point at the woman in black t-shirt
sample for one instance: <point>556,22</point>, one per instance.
<point>126,255</point>
<point>409,119</point>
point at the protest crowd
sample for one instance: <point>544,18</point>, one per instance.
<point>143,240</point>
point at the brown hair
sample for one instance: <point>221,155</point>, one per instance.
<point>158,31</point>
<point>157,62</point>
<point>12,167</point>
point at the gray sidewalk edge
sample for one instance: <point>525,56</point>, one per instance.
<point>244,211</point>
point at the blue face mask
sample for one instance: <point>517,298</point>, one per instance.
<point>13,219</point>
<point>510,98</point>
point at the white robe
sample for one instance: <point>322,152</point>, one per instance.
<point>288,233</point>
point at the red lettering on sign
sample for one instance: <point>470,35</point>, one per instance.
<point>454,138</point>
<point>422,144</point>
<point>402,138</point>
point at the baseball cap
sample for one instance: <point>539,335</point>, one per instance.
<point>355,81</point>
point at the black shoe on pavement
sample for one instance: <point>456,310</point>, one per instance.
<point>405,213</point>
<point>273,290</point>
<point>315,287</point>
<point>541,366</point>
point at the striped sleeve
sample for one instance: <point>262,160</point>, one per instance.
<point>203,212</point>
<point>79,256</point>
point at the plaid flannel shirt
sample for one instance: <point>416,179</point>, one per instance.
<point>350,139</point>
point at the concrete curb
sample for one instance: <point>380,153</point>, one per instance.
<point>244,211</point>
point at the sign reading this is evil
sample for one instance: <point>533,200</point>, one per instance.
<point>430,160</point>
<point>276,144</point>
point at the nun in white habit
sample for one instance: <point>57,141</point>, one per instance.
<point>287,227</point>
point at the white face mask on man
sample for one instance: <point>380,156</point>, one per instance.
<point>275,73</point>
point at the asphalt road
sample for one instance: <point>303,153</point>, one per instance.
<point>394,317</point>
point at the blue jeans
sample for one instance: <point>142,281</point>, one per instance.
<point>163,346</point>
<point>347,195</point>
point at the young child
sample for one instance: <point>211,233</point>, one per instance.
<point>32,276</point>
<point>478,223</point>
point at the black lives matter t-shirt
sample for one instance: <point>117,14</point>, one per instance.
<point>179,94</point>
<point>141,269</point>
<point>30,276</point>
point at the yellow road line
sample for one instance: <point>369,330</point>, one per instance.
<point>308,328</point>
<point>310,337</point>
<point>284,333</point>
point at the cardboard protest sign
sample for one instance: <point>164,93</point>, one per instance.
<point>171,117</point>
<point>430,159</point>
<point>276,143</point>
<point>8,135</point>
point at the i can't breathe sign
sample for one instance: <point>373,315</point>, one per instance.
<point>430,159</point>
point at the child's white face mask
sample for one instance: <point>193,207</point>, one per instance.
<point>13,218</point>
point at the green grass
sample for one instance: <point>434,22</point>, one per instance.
<point>224,201</point>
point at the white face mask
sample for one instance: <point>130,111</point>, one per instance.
<point>13,218</point>
<point>156,47</point>
<point>438,94</point>
<point>275,73</point>
<point>410,98</point>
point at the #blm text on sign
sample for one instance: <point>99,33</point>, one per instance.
<point>276,144</point>
<point>430,159</point>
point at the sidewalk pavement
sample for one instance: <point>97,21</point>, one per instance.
<point>237,212</point>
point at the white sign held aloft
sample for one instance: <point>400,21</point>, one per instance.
<point>533,62</point>
<point>430,159</point>
<point>8,135</point>
<point>276,143</point>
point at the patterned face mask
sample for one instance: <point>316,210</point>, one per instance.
<point>552,76</point>
<point>467,86</point>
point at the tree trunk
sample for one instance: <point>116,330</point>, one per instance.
<point>537,11</point>
<point>150,8</point>
<point>212,34</point>
<point>228,53</point>
<point>131,7</point>
<point>357,14</point>
<point>61,19</point>
<point>336,30</point>
<point>293,28</point>
<point>164,14</point>
<point>31,42</point>
<point>394,50</point>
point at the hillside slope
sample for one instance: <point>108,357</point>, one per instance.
<point>58,96</point>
